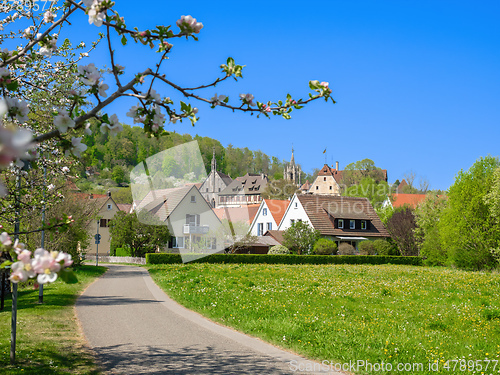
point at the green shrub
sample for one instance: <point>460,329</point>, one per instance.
<point>346,249</point>
<point>164,258</point>
<point>122,251</point>
<point>384,247</point>
<point>279,249</point>
<point>324,246</point>
<point>367,248</point>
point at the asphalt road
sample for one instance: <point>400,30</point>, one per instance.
<point>135,328</point>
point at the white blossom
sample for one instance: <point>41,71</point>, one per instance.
<point>17,108</point>
<point>113,128</point>
<point>102,90</point>
<point>188,25</point>
<point>247,99</point>
<point>78,146</point>
<point>48,16</point>
<point>62,121</point>
<point>216,100</point>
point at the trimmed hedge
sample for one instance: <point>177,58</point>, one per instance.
<point>163,258</point>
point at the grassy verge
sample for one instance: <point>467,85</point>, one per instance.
<point>48,337</point>
<point>377,314</point>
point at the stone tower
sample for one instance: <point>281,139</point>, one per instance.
<point>292,171</point>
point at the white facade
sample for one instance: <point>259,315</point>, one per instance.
<point>295,212</point>
<point>193,223</point>
<point>263,221</point>
<point>325,185</point>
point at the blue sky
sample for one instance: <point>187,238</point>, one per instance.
<point>417,83</point>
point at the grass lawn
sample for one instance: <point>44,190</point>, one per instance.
<point>340,313</point>
<point>48,338</point>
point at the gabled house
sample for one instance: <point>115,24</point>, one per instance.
<point>214,184</point>
<point>106,209</point>
<point>190,219</point>
<point>268,216</point>
<point>327,182</point>
<point>243,191</point>
<point>342,219</point>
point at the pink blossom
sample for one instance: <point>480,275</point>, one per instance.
<point>18,273</point>
<point>45,265</point>
<point>188,25</point>
<point>5,239</point>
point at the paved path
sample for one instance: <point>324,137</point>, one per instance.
<point>135,328</point>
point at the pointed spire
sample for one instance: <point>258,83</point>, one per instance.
<point>214,161</point>
<point>292,159</point>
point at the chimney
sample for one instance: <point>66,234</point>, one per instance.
<point>337,165</point>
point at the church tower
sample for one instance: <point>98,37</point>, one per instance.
<point>292,171</point>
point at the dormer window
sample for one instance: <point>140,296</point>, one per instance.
<point>363,225</point>
<point>340,224</point>
<point>352,224</point>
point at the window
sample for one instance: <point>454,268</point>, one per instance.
<point>363,225</point>
<point>260,229</point>
<point>193,199</point>
<point>110,206</point>
<point>264,212</point>
<point>177,242</point>
<point>103,223</point>
<point>340,224</point>
<point>269,226</point>
<point>207,190</point>
<point>330,187</point>
<point>297,205</point>
<point>192,219</point>
<point>352,224</point>
<point>324,178</point>
<point>317,187</point>
<point>219,190</point>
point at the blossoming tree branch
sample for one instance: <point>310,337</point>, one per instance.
<point>42,71</point>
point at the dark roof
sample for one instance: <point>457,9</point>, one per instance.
<point>322,211</point>
<point>276,234</point>
<point>249,184</point>
<point>227,180</point>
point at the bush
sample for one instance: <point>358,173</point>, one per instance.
<point>279,249</point>
<point>367,248</point>
<point>164,258</point>
<point>383,247</point>
<point>122,251</point>
<point>346,249</point>
<point>324,246</point>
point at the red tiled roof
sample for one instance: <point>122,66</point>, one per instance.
<point>306,186</point>
<point>322,211</point>
<point>411,200</point>
<point>245,213</point>
<point>278,208</point>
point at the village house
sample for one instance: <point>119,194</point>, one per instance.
<point>268,216</point>
<point>341,219</point>
<point>244,190</point>
<point>191,221</point>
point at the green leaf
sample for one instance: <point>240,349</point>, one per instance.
<point>68,276</point>
<point>124,40</point>
<point>13,86</point>
<point>5,264</point>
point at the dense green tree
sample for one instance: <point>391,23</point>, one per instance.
<point>355,172</point>
<point>118,174</point>
<point>279,189</point>
<point>376,192</point>
<point>427,233</point>
<point>127,230</point>
<point>468,229</point>
<point>300,237</point>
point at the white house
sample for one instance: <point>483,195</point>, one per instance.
<point>268,216</point>
<point>342,219</point>
<point>193,225</point>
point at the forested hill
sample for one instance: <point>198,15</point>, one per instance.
<point>110,154</point>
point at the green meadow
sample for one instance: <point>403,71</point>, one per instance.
<point>438,317</point>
